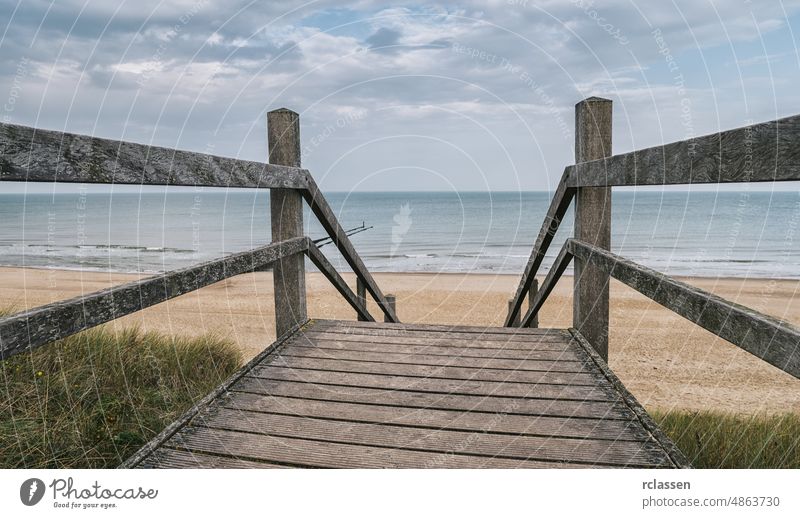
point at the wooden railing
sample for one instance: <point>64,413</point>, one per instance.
<point>33,155</point>
<point>763,152</point>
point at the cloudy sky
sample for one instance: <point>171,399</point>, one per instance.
<point>470,95</point>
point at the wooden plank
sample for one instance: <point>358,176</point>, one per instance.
<point>774,341</point>
<point>434,361</point>
<point>167,458</point>
<point>356,302</point>
<point>553,276</point>
<point>445,442</point>
<point>432,419</point>
<point>444,328</point>
<point>509,344</point>
<point>37,155</point>
<point>675,455</point>
<point>440,386</point>
<point>447,351</point>
<point>763,152</point>
<point>286,220</point>
<point>455,373</point>
<point>590,294</point>
<point>38,326</point>
<point>327,218</point>
<point>559,204</point>
<point>413,399</point>
<point>453,335</point>
<point>321,454</point>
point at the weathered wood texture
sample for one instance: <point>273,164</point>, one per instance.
<point>559,265</point>
<point>361,293</point>
<point>315,403</point>
<point>327,269</point>
<point>590,296</point>
<point>532,292</point>
<point>762,152</point>
<point>30,329</point>
<point>36,155</point>
<point>327,218</point>
<point>559,204</point>
<point>286,218</point>
<point>774,341</point>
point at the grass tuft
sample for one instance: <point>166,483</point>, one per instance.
<point>91,400</point>
<point>719,440</point>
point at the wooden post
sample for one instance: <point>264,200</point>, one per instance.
<point>531,295</point>
<point>286,213</point>
<point>392,301</point>
<point>361,294</point>
<point>592,224</point>
<point>517,319</point>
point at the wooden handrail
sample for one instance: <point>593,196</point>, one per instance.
<point>327,269</point>
<point>33,328</point>
<point>775,341</point>
<point>35,155</point>
<point>764,152</point>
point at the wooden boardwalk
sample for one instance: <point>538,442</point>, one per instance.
<point>377,395</point>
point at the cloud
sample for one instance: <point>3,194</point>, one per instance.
<point>496,78</point>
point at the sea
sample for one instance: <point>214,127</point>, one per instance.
<point>683,233</point>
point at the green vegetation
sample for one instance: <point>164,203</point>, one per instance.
<point>91,400</point>
<point>717,440</point>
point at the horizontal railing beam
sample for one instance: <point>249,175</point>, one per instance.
<point>33,328</point>
<point>555,214</point>
<point>327,218</point>
<point>34,155</point>
<point>765,152</point>
<point>327,269</point>
<point>774,341</point>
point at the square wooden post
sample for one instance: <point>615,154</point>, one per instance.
<point>286,213</point>
<point>361,295</point>
<point>592,224</point>
<point>392,301</point>
<point>532,295</point>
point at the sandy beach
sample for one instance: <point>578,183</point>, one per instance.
<point>663,359</point>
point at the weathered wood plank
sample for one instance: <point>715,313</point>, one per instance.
<point>774,341</point>
<point>33,328</point>
<point>444,328</point>
<point>456,373</point>
<point>552,221</point>
<point>559,265</point>
<point>327,218</point>
<point>445,442</point>
<point>763,152</point>
<point>321,454</point>
<point>330,273</point>
<point>432,360</point>
<point>547,345</point>
<point>448,351</point>
<point>522,337</point>
<point>435,401</point>
<point>432,419</point>
<point>167,458</point>
<point>36,155</point>
<point>439,386</point>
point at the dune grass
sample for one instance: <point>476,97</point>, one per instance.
<point>91,400</point>
<point>718,440</point>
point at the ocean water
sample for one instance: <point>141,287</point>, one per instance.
<point>742,234</point>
